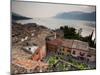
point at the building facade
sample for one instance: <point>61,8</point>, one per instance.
<point>75,48</point>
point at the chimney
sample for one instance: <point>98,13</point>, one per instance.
<point>55,35</point>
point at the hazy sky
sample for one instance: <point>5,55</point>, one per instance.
<point>33,9</point>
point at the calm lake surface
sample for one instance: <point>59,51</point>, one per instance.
<point>87,26</point>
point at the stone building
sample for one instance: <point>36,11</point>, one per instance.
<point>75,48</point>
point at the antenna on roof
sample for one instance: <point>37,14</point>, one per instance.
<point>92,34</point>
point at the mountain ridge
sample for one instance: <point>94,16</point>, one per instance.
<point>16,16</point>
<point>77,15</point>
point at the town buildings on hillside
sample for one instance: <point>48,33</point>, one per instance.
<point>75,48</point>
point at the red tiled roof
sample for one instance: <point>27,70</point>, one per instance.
<point>56,42</point>
<point>80,45</point>
<point>71,43</point>
<point>67,43</point>
<point>28,64</point>
<point>25,63</point>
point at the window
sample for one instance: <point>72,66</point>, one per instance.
<point>27,44</point>
<point>56,57</point>
<point>89,55</point>
<point>60,49</point>
<point>88,60</point>
<point>36,53</point>
<point>58,53</point>
<point>55,51</point>
<point>82,54</point>
<point>62,53</point>
<point>74,52</point>
<point>68,51</point>
<point>63,49</point>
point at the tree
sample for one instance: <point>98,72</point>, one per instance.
<point>70,33</point>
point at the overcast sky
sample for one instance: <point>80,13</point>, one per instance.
<point>33,9</point>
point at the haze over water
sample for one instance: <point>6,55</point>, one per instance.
<point>87,27</point>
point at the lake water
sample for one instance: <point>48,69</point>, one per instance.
<point>87,27</point>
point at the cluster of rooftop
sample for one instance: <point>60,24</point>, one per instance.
<point>34,64</point>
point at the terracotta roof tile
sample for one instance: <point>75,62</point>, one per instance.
<point>56,42</point>
<point>28,64</point>
<point>67,43</point>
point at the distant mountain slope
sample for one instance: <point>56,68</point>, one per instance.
<point>77,16</point>
<point>18,17</point>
